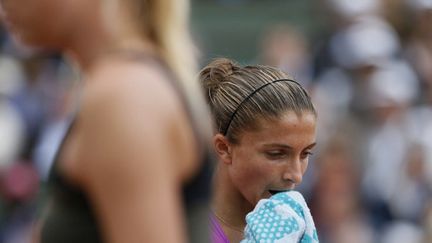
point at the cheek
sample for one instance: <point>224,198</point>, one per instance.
<point>252,177</point>
<point>250,174</point>
<point>249,167</point>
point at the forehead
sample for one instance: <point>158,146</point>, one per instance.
<point>290,129</point>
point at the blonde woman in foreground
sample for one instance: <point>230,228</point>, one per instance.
<point>135,141</point>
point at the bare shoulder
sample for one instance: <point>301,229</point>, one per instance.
<point>129,130</point>
<point>132,82</point>
<point>130,112</point>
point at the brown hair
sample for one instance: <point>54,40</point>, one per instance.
<point>240,96</point>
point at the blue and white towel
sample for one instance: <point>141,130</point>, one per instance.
<point>283,218</point>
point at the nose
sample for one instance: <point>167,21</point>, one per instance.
<point>293,171</point>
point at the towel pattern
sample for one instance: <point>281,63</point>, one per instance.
<point>283,218</point>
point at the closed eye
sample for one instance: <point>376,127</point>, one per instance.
<point>306,154</point>
<point>275,154</point>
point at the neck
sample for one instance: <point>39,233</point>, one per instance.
<point>228,204</point>
<point>85,54</point>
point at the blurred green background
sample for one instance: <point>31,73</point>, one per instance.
<point>233,28</point>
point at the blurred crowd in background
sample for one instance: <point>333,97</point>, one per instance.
<point>366,63</point>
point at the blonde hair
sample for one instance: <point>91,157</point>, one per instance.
<point>169,26</point>
<point>240,96</point>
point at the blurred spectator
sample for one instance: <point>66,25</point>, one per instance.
<point>427,223</point>
<point>368,41</point>
<point>420,128</point>
<point>340,16</point>
<point>347,9</point>
<point>419,46</point>
<point>388,137</point>
<point>336,207</point>
<point>409,200</point>
<point>365,81</point>
<point>29,95</point>
<point>37,97</point>
<point>62,105</point>
<point>357,52</point>
<point>402,232</point>
<point>286,48</point>
<point>11,124</point>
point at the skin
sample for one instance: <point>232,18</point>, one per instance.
<point>45,32</point>
<point>274,157</point>
<point>129,155</point>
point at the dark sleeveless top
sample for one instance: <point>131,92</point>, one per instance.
<point>69,217</point>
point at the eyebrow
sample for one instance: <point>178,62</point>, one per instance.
<point>287,146</point>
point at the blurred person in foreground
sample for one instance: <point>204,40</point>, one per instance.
<point>134,142</point>
<point>264,132</point>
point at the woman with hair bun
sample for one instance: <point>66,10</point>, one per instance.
<point>264,132</point>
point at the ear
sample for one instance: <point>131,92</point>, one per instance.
<point>222,147</point>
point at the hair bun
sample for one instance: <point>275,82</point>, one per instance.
<point>216,74</point>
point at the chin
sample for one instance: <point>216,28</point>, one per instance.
<point>252,201</point>
<point>36,43</point>
<point>41,48</point>
<point>265,195</point>
<point>34,40</point>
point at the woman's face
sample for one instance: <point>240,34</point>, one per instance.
<point>44,23</point>
<point>274,157</point>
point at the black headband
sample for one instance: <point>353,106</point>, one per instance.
<point>250,95</point>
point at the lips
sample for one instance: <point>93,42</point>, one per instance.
<point>273,192</point>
